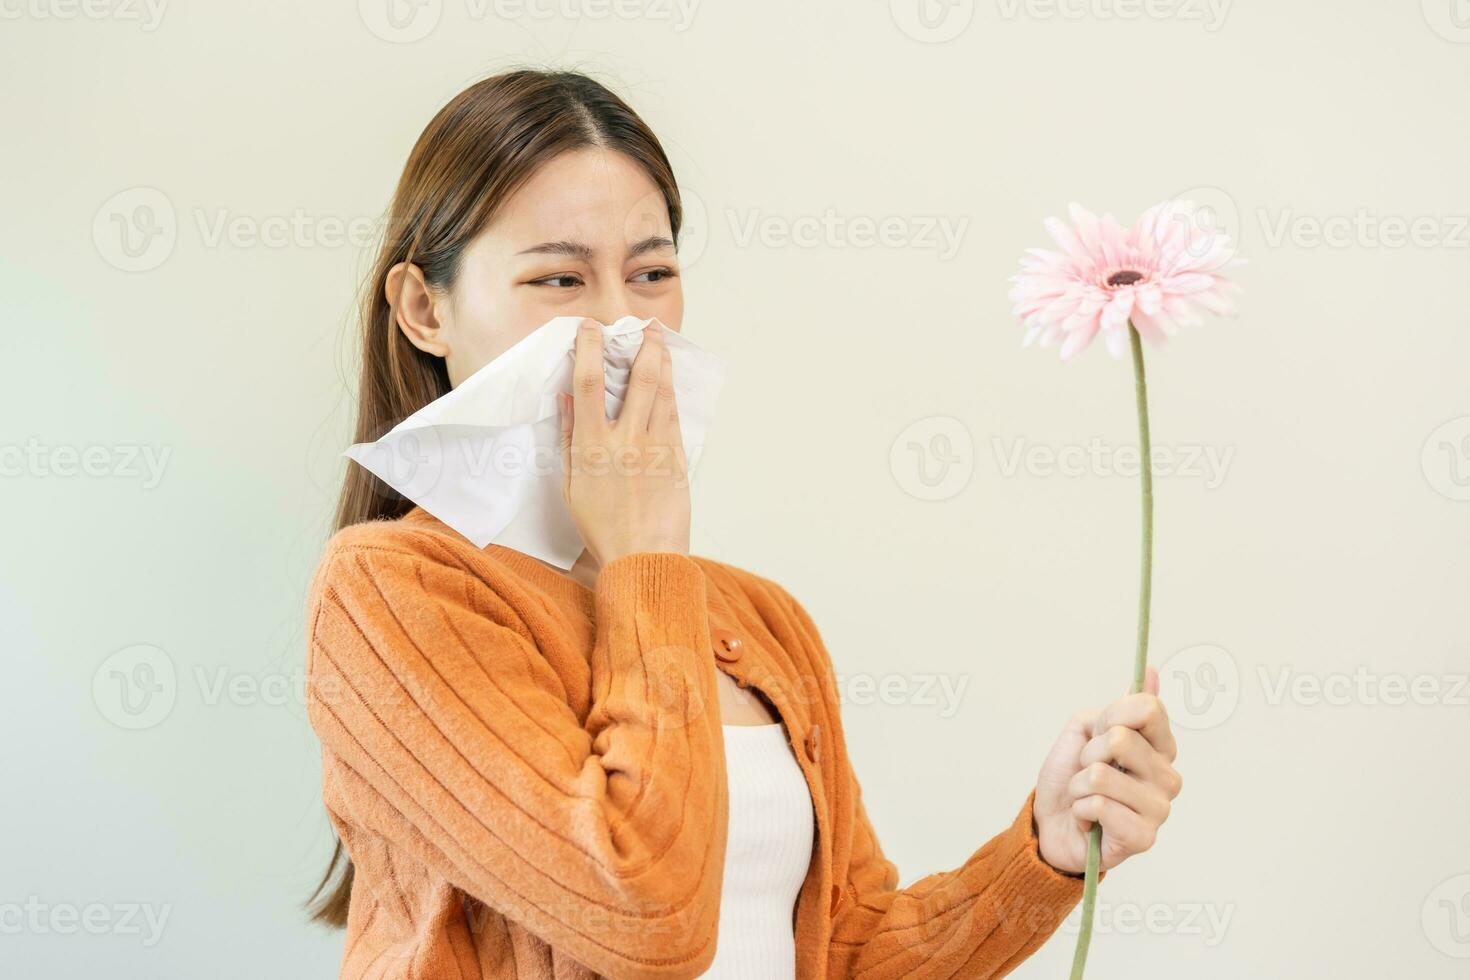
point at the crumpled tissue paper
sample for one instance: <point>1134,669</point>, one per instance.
<point>484,458</point>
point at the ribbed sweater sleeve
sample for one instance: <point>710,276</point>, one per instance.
<point>976,922</point>
<point>457,744</point>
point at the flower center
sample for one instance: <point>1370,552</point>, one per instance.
<point>1125,278</point>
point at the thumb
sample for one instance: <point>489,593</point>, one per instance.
<point>1151,681</point>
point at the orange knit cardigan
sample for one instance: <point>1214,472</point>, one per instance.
<point>529,775</point>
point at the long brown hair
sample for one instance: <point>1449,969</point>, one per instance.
<point>474,154</point>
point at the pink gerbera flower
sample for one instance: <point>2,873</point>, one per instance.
<point>1129,285</point>
<point>1160,274</point>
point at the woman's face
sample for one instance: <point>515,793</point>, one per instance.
<point>588,235</point>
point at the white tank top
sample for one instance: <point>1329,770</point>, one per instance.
<point>768,850</point>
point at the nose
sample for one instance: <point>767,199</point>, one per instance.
<point>611,301</point>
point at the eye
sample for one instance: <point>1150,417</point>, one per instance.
<point>564,280</point>
<point>655,275</point>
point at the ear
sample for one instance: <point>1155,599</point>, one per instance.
<point>412,300</point>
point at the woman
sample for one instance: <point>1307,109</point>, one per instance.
<point>636,769</point>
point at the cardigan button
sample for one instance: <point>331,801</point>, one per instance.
<point>814,744</point>
<point>727,646</point>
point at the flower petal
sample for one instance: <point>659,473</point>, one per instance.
<point>1111,242</point>
<point>1059,296</point>
<point>1214,301</point>
<point>1189,282</point>
<point>1065,237</point>
<point>1150,297</point>
<point>1115,314</point>
<point>1078,340</point>
<point>1088,232</point>
<point>1153,330</point>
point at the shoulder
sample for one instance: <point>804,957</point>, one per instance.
<point>379,544</point>
<point>394,536</point>
<point>404,587</point>
<point>403,553</point>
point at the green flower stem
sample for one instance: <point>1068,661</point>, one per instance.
<point>1146,472</point>
<point>1140,655</point>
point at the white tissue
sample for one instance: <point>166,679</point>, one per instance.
<point>484,458</point>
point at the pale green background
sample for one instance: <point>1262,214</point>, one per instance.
<point>1324,835</point>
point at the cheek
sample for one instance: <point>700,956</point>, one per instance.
<point>668,308</point>
<point>494,320</point>
<point>484,322</point>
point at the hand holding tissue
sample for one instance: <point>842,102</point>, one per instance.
<point>485,457</point>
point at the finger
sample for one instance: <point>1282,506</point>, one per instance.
<point>589,391</point>
<point>665,422</point>
<point>1138,795</point>
<point>1151,681</point>
<point>663,418</point>
<point>671,417</point>
<point>1083,722</point>
<point>643,380</point>
<point>564,441</point>
<point>1127,748</point>
<point>1146,714</point>
<point>1124,831</point>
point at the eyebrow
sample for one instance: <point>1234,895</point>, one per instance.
<point>579,250</point>
<point>652,243</point>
